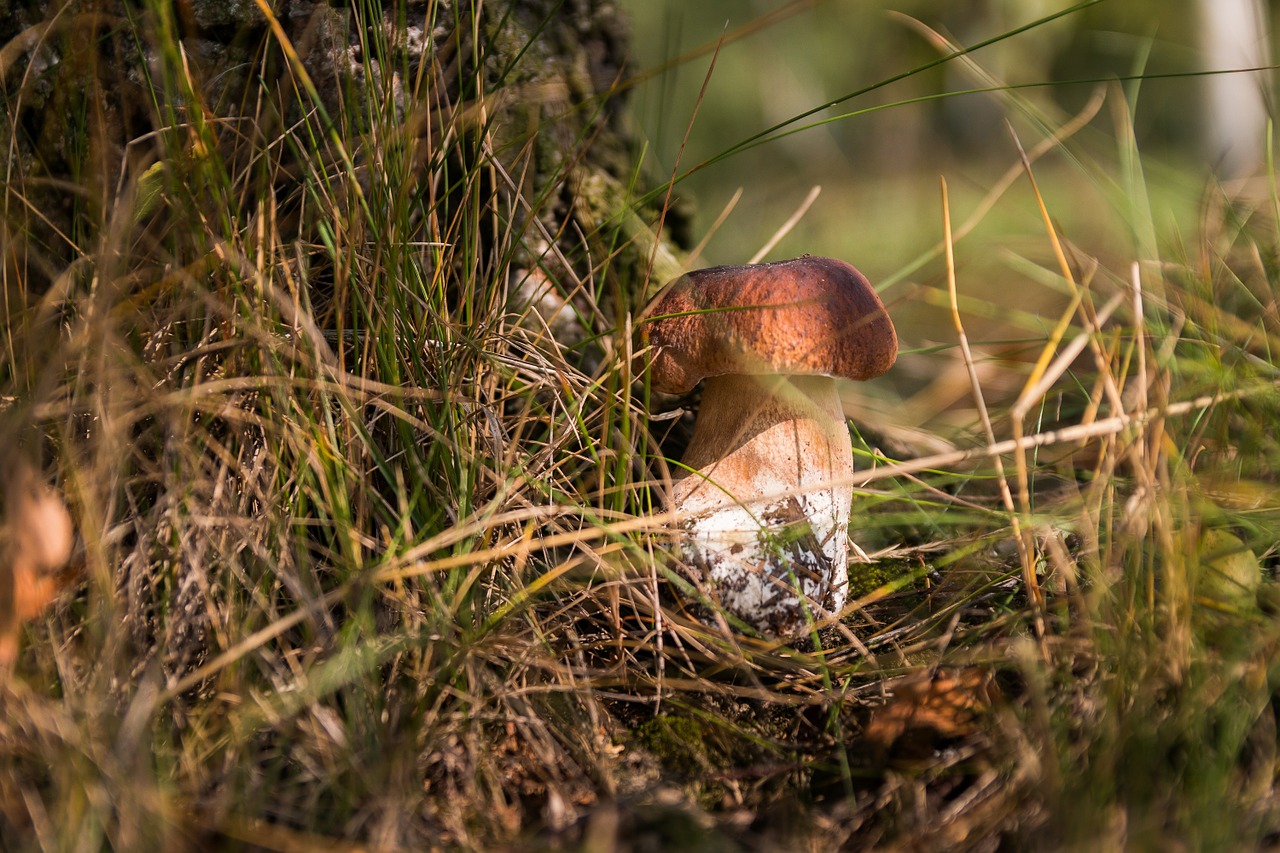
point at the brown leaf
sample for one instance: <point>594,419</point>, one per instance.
<point>37,535</point>
<point>924,712</point>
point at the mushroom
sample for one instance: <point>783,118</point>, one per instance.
<point>764,487</point>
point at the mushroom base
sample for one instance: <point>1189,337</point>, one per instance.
<point>767,499</point>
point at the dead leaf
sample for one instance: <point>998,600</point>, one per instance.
<point>37,539</point>
<point>922,713</point>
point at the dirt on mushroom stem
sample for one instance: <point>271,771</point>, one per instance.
<point>767,524</point>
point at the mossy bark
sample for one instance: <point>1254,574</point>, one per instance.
<point>100,91</point>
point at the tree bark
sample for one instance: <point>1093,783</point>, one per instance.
<point>93,103</point>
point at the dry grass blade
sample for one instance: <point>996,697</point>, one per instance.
<point>785,228</point>
<point>675,169</point>
<point>723,216</point>
<point>1025,555</point>
<point>1100,428</point>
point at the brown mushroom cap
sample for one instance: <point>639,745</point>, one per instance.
<point>815,316</point>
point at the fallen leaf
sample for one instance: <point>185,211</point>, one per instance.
<point>37,537</point>
<point>924,712</point>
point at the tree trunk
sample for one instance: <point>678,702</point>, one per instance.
<point>1235,34</point>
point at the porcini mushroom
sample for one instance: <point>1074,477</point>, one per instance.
<point>764,488</point>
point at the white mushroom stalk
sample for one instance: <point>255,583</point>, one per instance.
<point>764,487</point>
<point>776,562</point>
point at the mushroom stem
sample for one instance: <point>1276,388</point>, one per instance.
<point>774,563</point>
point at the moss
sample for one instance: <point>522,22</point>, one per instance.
<point>678,744</point>
<point>699,749</point>
<point>865,578</point>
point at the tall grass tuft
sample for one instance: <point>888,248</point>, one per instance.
<point>286,357</point>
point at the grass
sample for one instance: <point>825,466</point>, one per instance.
<point>343,398</point>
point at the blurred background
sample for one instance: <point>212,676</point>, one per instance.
<point>1128,184</point>
<point>782,59</point>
